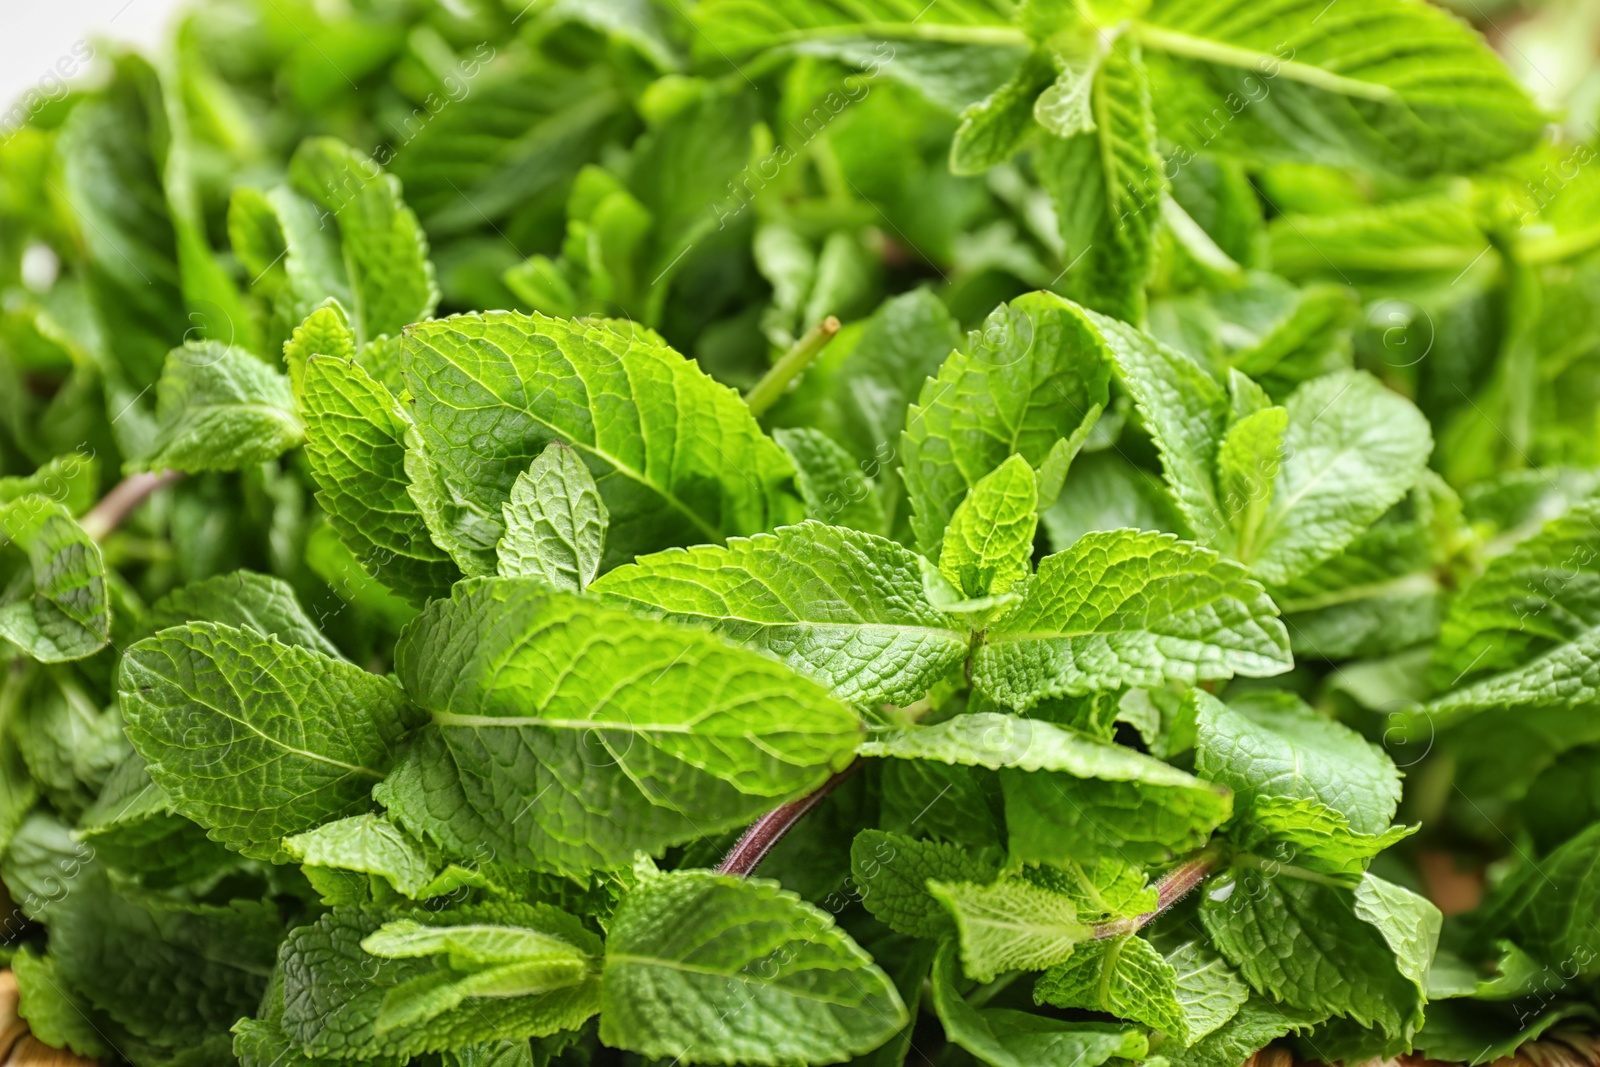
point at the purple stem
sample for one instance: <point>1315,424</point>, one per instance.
<point>118,504</point>
<point>768,830</point>
<point>1170,888</point>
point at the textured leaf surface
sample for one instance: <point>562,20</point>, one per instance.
<point>891,871</point>
<point>1011,925</point>
<point>62,609</point>
<point>1130,608</point>
<point>567,735</point>
<point>988,546</point>
<point>244,599</point>
<point>1384,83</point>
<point>1124,976</point>
<point>1281,748</point>
<point>843,607</point>
<point>255,739</point>
<point>220,409</point>
<point>355,441</point>
<point>679,459</point>
<point>833,485</point>
<point>1024,382</point>
<point>367,843</point>
<point>718,969</point>
<point>555,523</point>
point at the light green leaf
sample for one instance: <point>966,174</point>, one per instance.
<point>1537,596</point>
<point>384,250</point>
<point>366,843</point>
<point>1278,747</point>
<point>1381,83</point>
<point>840,606</point>
<point>1068,797</point>
<point>344,1003</point>
<point>220,409</point>
<point>992,131</point>
<point>1321,948</point>
<point>681,460</point>
<point>555,522</point>
<point>714,968</point>
<point>1107,185</point>
<point>1208,991</point>
<point>355,442</point>
<point>61,610</point>
<point>1010,925</point>
<point>891,872</point>
<point>1351,450</point>
<point>1027,380</point>
<point>1247,467</point>
<point>244,599</point>
<point>1066,108</point>
<point>325,332</point>
<point>1258,1022</point>
<point>1000,1037</point>
<point>988,546</point>
<point>1129,608</point>
<point>740,26</point>
<point>832,483</point>
<point>72,480</point>
<point>1123,976</point>
<point>566,735</point>
<point>255,739</point>
<point>1321,835</point>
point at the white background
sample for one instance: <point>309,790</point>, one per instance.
<point>34,34</point>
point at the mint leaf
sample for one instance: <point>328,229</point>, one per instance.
<point>255,739</point>
<point>1010,925</point>
<point>1060,788</point>
<point>59,607</point>
<point>770,978</point>
<point>549,711</point>
<point>1258,1022</point>
<point>355,442</point>
<point>555,523</point>
<point>992,131</point>
<point>245,600</point>
<point>988,545</point>
<point>832,484</point>
<point>491,391</point>
<point>369,844</point>
<point>1026,381</point>
<point>336,993</point>
<point>1129,608</point>
<point>1005,1038</point>
<point>220,409</point>
<point>892,871</point>
<point>843,607</point>
<point>1123,976</point>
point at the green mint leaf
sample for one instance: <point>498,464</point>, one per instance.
<point>832,483</point>
<point>1129,608</point>
<point>1258,1022</point>
<point>843,607</point>
<point>1528,601</point>
<point>1352,449</point>
<point>1319,833</point>
<point>1060,788</point>
<point>735,27</point>
<point>771,979</point>
<point>1539,907</point>
<point>1107,185</point>
<point>1010,925</point>
<point>246,600</point>
<point>1105,492</point>
<point>1123,976</point>
<point>1028,379</point>
<point>555,523</point>
<point>988,545</point>
<point>133,827</point>
<point>220,409</point>
<point>992,131</point>
<point>325,332</point>
<point>1338,96</point>
<point>492,390</point>
<point>1278,747</point>
<point>255,739</point>
<point>1001,1037</point>
<point>342,1002</point>
<point>355,442</point>
<point>1208,991</point>
<point>1066,108</point>
<point>1247,467</point>
<point>383,247</point>
<point>1362,954</point>
<point>550,711</point>
<point>53,1013</point>
<point>891,872</point>
<point>60,609</point>
<point>369,844</point>
<point>69,743</point>
<point>72,480</point>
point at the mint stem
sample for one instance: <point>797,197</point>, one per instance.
<point>768,830</point>
<point>1170,888</point>
<point>789,365</point>
<point>124,497</point>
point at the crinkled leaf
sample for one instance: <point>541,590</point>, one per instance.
<point>891,872</point>
<point>59,608</point>
<point>244,599</point>
<point>555,523</point>
<point>1010,925</point>
<point>220,409</point>
<point>988,546</point>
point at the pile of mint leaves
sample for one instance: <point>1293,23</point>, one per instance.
<point>1117,482</point>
